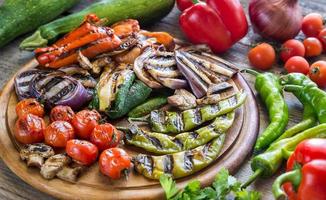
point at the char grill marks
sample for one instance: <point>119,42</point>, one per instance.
<point>168,164</point>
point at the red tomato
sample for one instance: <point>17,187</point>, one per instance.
<point>62,113</point>
<point>29,106</point>
<point>313,47</point>
<point>29,129</point>
<point>312,24</point>
<point>262,56</point>
<point>84,122</point>
<point>113,162</point>
<point>291,48</point>
<point>297,64</point>
<point>184,4</point>
<point>317,73</point>
<point>58,133</point>
<point>82,151</point>
<point>322,38</point>
<point>105,136</point>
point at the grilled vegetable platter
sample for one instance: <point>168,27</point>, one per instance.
<point>108,109</point>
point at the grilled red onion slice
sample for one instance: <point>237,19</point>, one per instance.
<point>56,89</point>
<point>23,79</point>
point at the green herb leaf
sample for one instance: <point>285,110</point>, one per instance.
<point>169,186</point>
<point>247,195</point>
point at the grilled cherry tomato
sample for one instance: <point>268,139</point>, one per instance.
<point>58,133</point>
<point>29,129</point>
<point>262,56</point>
<point>113,162</point>
<point>84,122</point>
<point>317,73</point>
<point>313,47</point>
<point>312,24</point>
<point>105,136</point>
<point>297,64</point>
<point>322,38</point>
<point>29,106</point>
<point>62,113</point>
<point>291,48</point>
<point>82,151</point>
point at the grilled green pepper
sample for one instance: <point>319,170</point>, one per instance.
<point>309,118</point>
<point>315,96</point>
<point>161,143</point>
<point>136,95</point>
<point>267,163</point>
<point>177,122</point>
<point>145,108</point>
<point>269,88</point>
<point>179,164</point>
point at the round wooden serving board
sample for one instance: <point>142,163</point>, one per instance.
<point>93,185</point>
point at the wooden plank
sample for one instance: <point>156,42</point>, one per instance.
<point>11,59</point>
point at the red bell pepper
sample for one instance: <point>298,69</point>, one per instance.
<point>184,4</point>
<point>306,172</point>
<point>217,23</point>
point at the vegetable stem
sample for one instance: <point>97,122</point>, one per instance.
<point>138,119</point>
<point>293,176</point>
<point>250,71</point>
<point>195,1</point>
<point>252,178</point>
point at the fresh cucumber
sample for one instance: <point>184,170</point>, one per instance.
<point>145,11</point>
<point>145,108</point>
<point>21,16</point>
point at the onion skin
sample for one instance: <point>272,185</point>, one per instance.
<point>276,19</point>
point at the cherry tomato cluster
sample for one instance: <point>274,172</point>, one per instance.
<point>64,129</point>
<point>294,52</point>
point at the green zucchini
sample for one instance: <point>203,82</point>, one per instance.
<point>145,11</point>
<point>22,16</point>
<point>137,94</point>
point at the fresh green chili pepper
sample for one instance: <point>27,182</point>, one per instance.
<point>161,143</point>
<point>267,163</point>
<point>145,108</point>
<point>269,88</point>
<point>179,164</point>
<point>315,96</point>
<point>309,116</point>
<point>136,94</point>
<point>177,122</point>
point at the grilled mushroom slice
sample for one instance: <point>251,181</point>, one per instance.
<point>35,154</point>
<point>84,61</point>
<point>214,98</point>
<point>182,99</point>
<point>70,173</point>
<point>53,165</point>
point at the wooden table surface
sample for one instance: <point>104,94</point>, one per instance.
<point>11,59</point>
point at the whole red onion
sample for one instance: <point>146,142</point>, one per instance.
<point>276,19</point>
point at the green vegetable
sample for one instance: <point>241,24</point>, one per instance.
<point>22,16</point>
<point>145,11</point>
<point>223,187</point>
<point>267,163</point>
<point>315,96</point>
<point>128,99</point>
<point>94,104</point>
<point>267,85</point>
<point>145,108</point>
<point>177,122</point>
<point>179,164</point>
<point>309,116</point>
<point>161,143</point>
